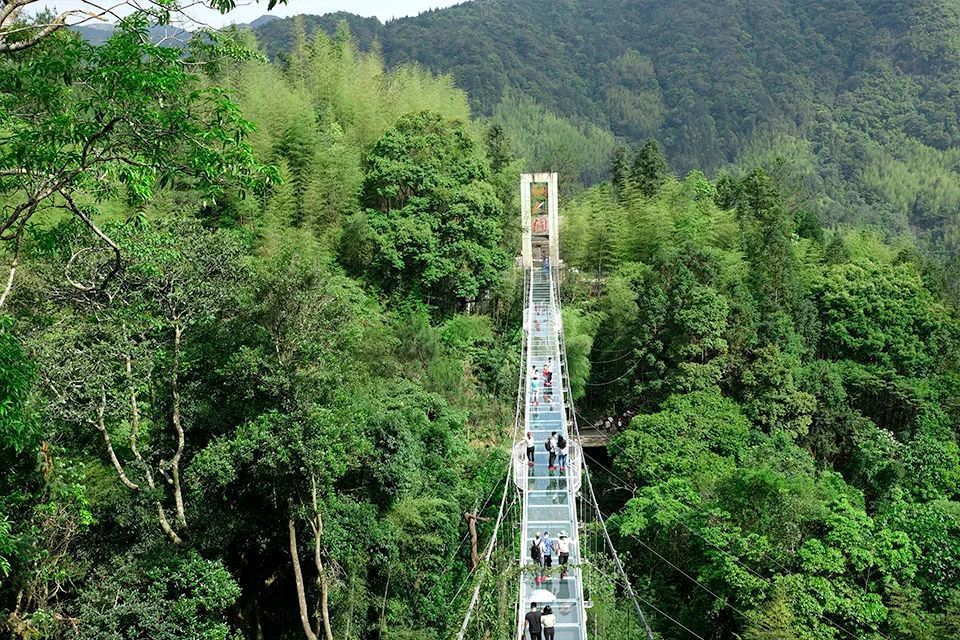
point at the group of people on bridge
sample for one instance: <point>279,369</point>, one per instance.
<point>542,551</point>
<point>557,447</point>
<point>542,625</point>
<point>547,386</point>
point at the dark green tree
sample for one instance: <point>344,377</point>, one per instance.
<point>769,231</point>
<point>433,219</point>
<point>619,168</point>
<point>836,251</point>
<point>498,148</point>
<point>650,169</point>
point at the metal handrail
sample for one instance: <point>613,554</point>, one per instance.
<point>525,354</point>
<point>562,365</point>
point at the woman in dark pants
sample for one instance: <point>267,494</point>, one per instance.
<point>549,623</point>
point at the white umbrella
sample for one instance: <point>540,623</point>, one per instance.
<point>541,596</point>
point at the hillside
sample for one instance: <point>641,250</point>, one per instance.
<point>855,101</point>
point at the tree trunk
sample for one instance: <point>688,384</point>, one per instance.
<point>474,554</point>
<point>178,425</point>
<point>324,580</point>
<point>472,519</point>
<point>298,577</point>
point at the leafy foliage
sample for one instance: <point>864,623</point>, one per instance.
<point>793,402</point>
<point>852,101</point>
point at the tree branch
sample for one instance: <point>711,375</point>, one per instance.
<point>117,255</point>
<point>178,425</point>
<point>135,422</point>
<point>101,426</point>
<point>14,263</point>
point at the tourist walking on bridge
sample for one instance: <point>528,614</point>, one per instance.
<point>547,543</point>
<point>549,623</point>
<point>531,622</point>
<point>563,452</point>
<point>551,446</point>
<point>563,551</point>
<point>536,555</point>
<point>531,449</point>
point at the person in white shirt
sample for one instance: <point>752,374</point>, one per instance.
<point>562,545</point>
<point>549,623</point>
<point>531,448</point>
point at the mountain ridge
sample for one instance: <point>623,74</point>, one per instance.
<point>858,102</point>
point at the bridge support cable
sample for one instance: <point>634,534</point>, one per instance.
<point>615,555</point>
<point>508,480</point>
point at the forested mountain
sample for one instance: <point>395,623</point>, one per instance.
<point>857,101</point>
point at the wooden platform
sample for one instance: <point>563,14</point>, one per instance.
<point>594,438</point>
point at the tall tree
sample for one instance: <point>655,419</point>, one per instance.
<point>769,231</point>
<point>619,168</point>
<point>433,219</point>
<point>650,169</point>
<point>498,148</point>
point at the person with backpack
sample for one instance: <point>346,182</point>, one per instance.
<point>547,544</point>
<point>562,546</point>
<point>551,446</point>
<point>532,622</point>
<point>531,448</point>
<point>549,623</point>
<point>536,555</point>
<point>563,452</point>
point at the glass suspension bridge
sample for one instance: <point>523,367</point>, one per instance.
<point>541,498</point>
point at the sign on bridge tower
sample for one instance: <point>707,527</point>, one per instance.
<point>541,218</point>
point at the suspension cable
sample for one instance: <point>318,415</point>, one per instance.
<point>613,551</point>
<point>586,474</point>
<point>521,391</point>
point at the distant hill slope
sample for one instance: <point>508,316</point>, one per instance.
<point>857,100</point>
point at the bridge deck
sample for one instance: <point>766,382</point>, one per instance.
<point>550,496</point>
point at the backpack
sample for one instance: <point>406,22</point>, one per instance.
<point>546,445</point>
<point>535,551</point>
<point>562,442</point>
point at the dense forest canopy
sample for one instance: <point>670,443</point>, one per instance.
<point>207,368</point>
<point>859,102</point>
<point>260,334</point>
<point>791,467</point>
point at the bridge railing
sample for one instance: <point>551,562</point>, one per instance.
<point>570,422</point>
